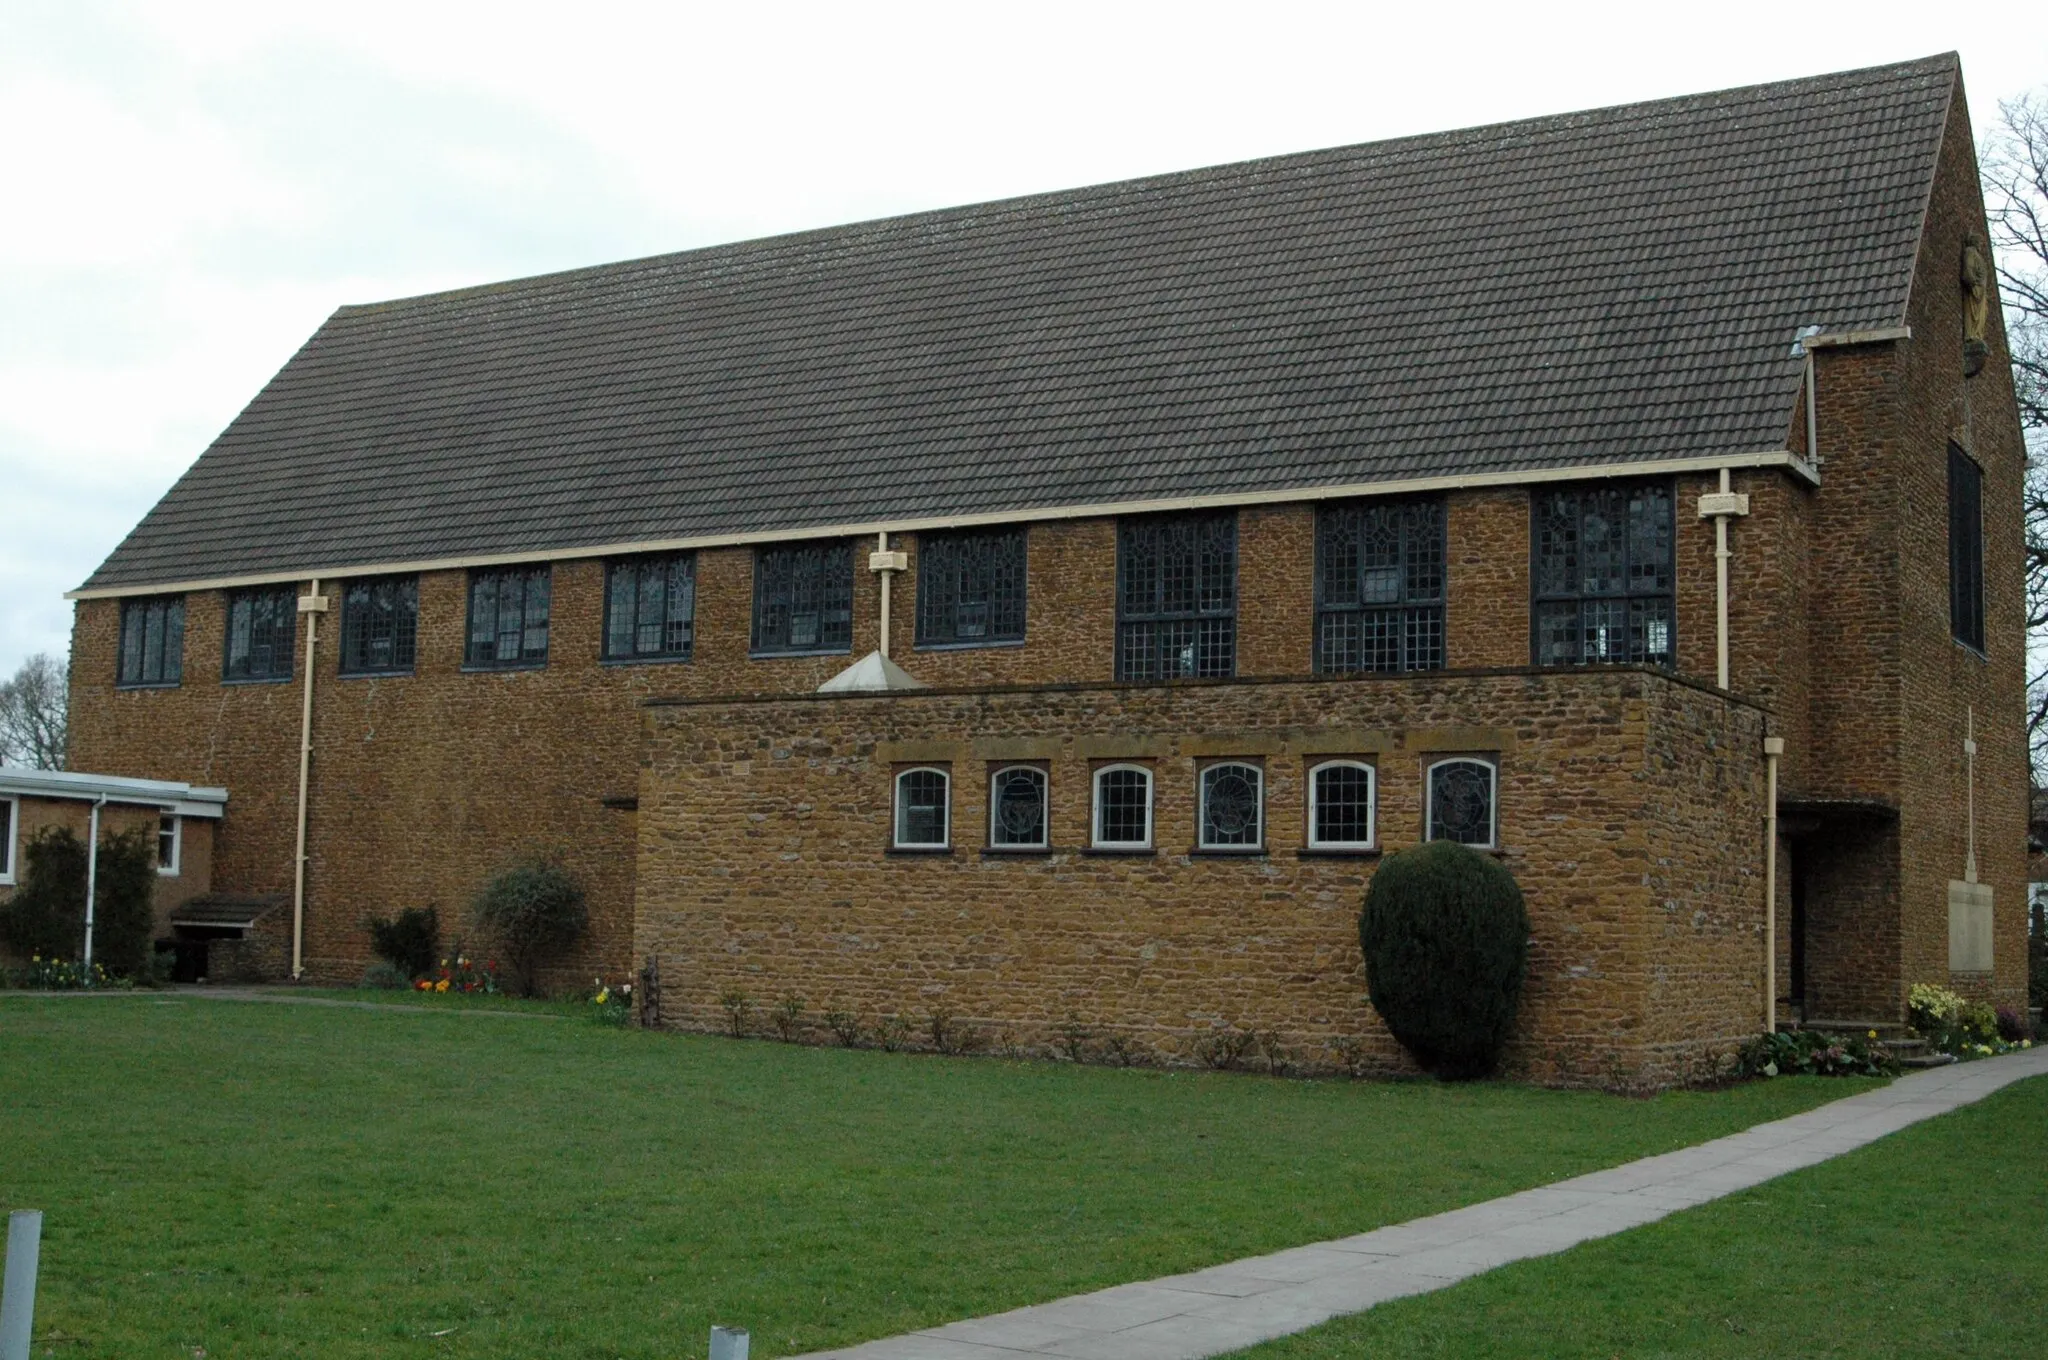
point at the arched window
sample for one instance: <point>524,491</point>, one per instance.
<point>921,820</point>
<point>1123,807</point>
<point>1016,808</point>
<point>1461,801</point>
<point>1233,808</point>
<point>1343,806</point>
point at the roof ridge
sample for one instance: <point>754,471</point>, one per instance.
<point>1731,94</point>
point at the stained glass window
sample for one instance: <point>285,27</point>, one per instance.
<point>970,588</point>
<point>1176,597</point>
<point>803,598</point>
<point>650,608</point>
<point>263,626</point>
<point>1461,801</point>
<point>508,617</point>
<point>380,625</point>
<point>1017,808</point>
<point>1232,815</point>
<point>1603,579</point>
<point>1380,586</point>
<point>152,641</point>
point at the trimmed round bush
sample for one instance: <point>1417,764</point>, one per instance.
<point>1446,940</point>
<point>535,910</point>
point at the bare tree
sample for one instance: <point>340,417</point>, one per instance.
<point>32,714</point>
<point>2016,198</point>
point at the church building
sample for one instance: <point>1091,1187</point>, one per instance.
<point>1036,619</point>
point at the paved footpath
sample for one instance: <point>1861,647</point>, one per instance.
<point>1245,1302</point>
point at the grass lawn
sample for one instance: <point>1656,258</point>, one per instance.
<point>403,1181</point>
<point>1932,1242</point>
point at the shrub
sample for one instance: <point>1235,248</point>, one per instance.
<point>1446,940</point>
<point>409,941</point>
<point>1226,1048</point>
<point>124,916</point>
<point>739,1011</point>
<point>845,1026</point>
<point>789,1018</point>
<point>1813,1053</point>
<point>536,910</point>
<point>2012,1025</point>
<point>46,915</point>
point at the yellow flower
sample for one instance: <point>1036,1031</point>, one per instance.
<point>604,996</point>
<point>1873,1034</point>
<point>442,985</point>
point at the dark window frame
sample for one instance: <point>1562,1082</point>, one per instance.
<point>1183,617</point>
<point>947,565</point>
<point>1965,549</point>
<point>684,563</point>
<point>10,825</point>
<point>1415,607</point>
<point>360,609</point>
<point>1429,787</point>
<point>282,635</point>
<point>833,586</point>
<point>1632,597</point>
<point>536,591</point>
<point>166,615</point>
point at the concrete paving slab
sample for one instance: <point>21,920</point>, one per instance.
<point>1241,1303</point>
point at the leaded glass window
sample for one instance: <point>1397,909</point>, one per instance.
<point>1341,806</point>
<point>803,598</point>
<point>921,809</point>
<point>970,588</point>
<point>263,627</point>
<point>650,608</point>
<point>1380,586</point>
<point>1603,574</point>
<point>1017,808</point>
<point>508,617</point>
<point>1123,807</point>
<point>1232,812</point>
<point>1461,801</point>
<point>380,625</point>
<point>152,642</point>
<point>1176,597</point>
<point>1965,549</point>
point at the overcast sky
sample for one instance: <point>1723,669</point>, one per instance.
<point>191,187</point>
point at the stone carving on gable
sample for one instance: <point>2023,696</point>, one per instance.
<point>1976,281</point>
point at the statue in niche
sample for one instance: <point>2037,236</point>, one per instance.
<point>1976,282</point>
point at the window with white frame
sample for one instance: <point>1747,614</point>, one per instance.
<point>1123,808</point>
<point>10,822</point>
<point>169,840</point>
<point>1343,806</point>
<point>921,821</point>
<point>1233,807</point>
<point>1017,808</point>
<point>1461,801</point>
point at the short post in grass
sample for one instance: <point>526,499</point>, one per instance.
<point>727,1343</point>
<point>18,1292</point>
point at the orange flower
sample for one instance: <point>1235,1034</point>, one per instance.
<point>442,985</point>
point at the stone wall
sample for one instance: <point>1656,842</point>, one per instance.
<point>1630,811</point>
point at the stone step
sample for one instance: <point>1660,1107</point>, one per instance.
<point>1919,1060</point>
<point>1886,1029</point>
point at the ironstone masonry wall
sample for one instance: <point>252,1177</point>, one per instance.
<point>1630,811</point>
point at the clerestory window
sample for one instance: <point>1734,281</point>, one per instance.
<point>803,598</point>
<point>1176,597</point>
<point>650,608</point>
<point>1380,586</point>
<point>508,617</point>
<point>152,642</point>
<point>380,625</point>
<point>263,626</point>
<point>1603,579</point>
<point>970,588</point>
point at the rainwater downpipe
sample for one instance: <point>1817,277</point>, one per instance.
<point>1773,748</point>
<point>92,879</point>
<point>1721,506</point>
<point>886,564</point>
<point>312,605</point>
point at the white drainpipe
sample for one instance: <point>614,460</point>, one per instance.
<point>1720,506</point>
<point>92,879</point>
<point>1773,748</point>
<point>886,564</point>
<point>312,606</point>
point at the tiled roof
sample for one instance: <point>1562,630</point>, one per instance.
<point>1597,288</point>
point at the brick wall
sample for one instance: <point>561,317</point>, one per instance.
<point>1629,810</point>
<point>195,868</point>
